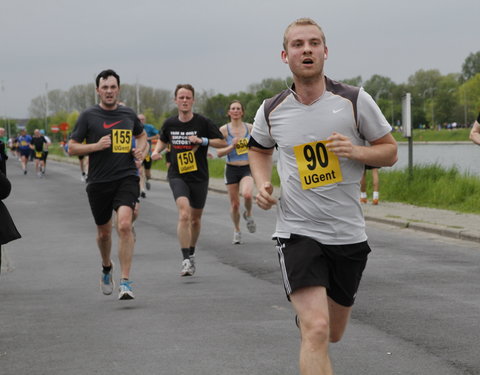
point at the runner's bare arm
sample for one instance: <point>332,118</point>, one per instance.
<point>76,148</point>
<point>261,164</point>
<point>381,153</point>
<point>141,149</point>
<point>475,133</point>
<point>159,147</point>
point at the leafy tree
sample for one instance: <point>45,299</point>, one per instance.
<point>471,66</point>
<point>355,81</point>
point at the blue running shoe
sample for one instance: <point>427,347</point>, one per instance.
<point>125,290</point>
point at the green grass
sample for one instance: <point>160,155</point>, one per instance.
<point>456,135</point>
<point>431,186</point>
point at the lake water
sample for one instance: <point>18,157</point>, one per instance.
<point>462,155</point>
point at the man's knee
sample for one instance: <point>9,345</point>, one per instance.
<point>316,331</point>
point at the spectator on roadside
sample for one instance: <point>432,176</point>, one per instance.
<point>375,183</point>
<point>8,230</point>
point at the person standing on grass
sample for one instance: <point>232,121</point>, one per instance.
<point>319,127</point>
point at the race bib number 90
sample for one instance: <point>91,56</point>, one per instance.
<point>242,146</point>
<point>186,162</point>
<point>316,165</point>
<point>121,140</point>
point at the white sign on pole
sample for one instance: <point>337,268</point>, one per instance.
<point>407,115</point>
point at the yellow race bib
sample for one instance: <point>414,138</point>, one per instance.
<point>121,140</point>
<point>316,165</point>
<point>186,162</point>
<point>242,146</point>
<point>38,154</point>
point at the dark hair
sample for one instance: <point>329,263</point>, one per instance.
<point>185,86</point>
<point>105,74</point>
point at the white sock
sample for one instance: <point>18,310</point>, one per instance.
<point>375,195</point>
<point>363,195</point>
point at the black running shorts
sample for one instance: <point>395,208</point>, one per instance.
<point>196,192</point>
<point>104,197</point>
<point>234,173</point>
<point>305,262</point>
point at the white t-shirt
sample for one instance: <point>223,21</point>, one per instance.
<point>329,213</point>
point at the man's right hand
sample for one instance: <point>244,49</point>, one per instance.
<point>105,142</point>
<point>156,155</point>
<point>264,197</point>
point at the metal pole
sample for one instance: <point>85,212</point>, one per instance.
<point>410,157</point>
<point>46,106</point>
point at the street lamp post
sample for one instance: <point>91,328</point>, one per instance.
<point>46,106</point>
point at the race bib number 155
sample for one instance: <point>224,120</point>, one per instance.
<point>316,165</point>
<point>121,140</point>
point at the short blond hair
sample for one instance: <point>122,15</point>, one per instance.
<point>302,22</point>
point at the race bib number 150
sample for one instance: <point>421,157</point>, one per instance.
<point>121,140</point>
<point>186,162</point>
<point>316,165</point>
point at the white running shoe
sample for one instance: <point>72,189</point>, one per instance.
<point>237,238</point>
<point>125,290</point>
<point>192,262</point>
<point>106,282</point>
<point>186,268</point>
<point>251,226</point>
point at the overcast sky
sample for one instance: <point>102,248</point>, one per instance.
<point>220,45</point>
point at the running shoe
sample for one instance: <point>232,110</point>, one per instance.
<point>187,268</point>
<point>106,282</point>
<point>237,238</point>
<point>363,200</point>
<point>375,202</point>
<point>192,262</point>
<point>143,195</point>
<point>147,185</point>
<point>125,290</point>
<point>251,226</point>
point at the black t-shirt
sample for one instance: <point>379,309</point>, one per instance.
<point>117,161</point>
<point>176,133</point>
<point>38,143</point>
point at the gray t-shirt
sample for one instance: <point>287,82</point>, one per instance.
<point>319,199</point>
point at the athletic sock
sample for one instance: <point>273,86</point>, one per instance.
<point>186,253</point>
<point>375,195</point>
<point>192,250</point>
<point>107,269</point>
<point>363,195</point>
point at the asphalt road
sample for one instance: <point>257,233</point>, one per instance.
<point>417,310</point>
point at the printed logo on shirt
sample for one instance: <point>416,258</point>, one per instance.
<point>108,126</point>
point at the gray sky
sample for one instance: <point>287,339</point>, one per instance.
<point>220,45</point>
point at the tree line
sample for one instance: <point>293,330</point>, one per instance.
<point>437,100</point>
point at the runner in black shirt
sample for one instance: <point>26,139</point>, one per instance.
<point>37,145</point>
<point>189,135</point>
<point>113,183</point>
